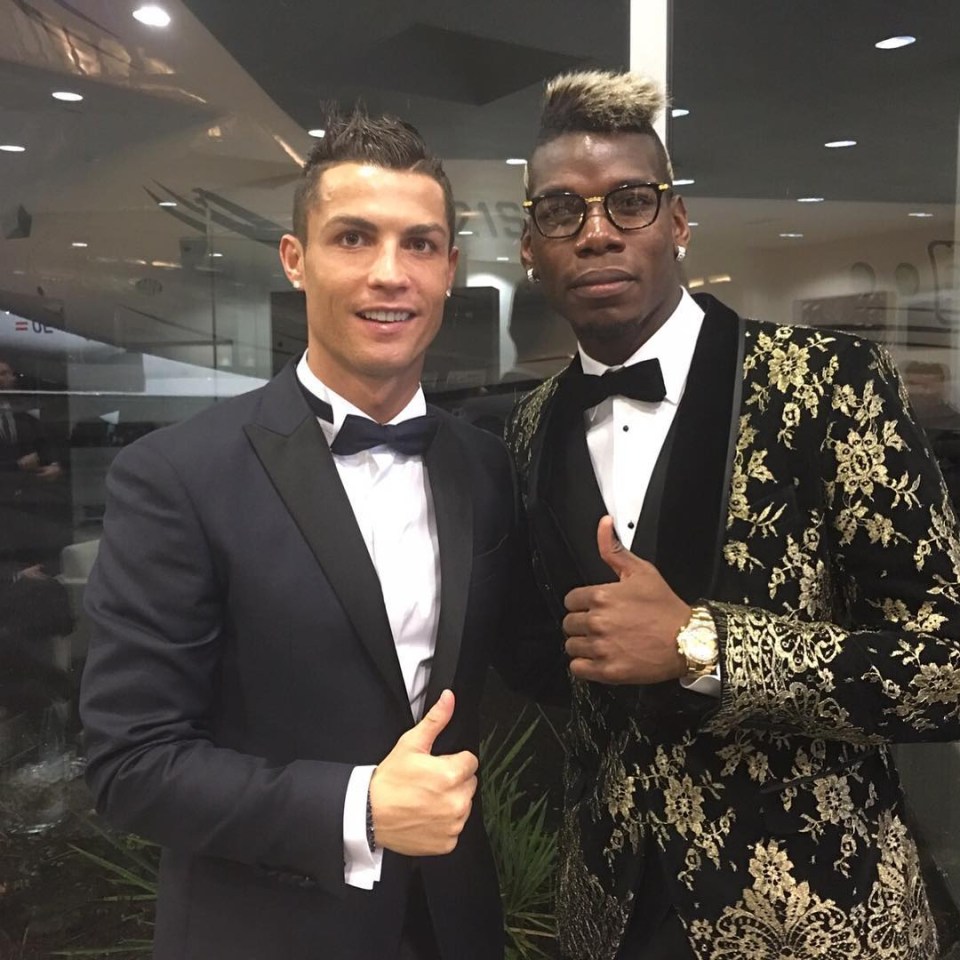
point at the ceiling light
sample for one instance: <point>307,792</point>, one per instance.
<point>920,213</point>
<point>317,132</point>
<point>696,282</point>
<point>796,236</point>
<point>12,148</point>
<point>833,144</point>
<point>684,182</point>
<point>216,254</point>
<point>679,112</point>
<point>152,16</point>
<point>503,259</point>
<point>892,43</point>
<point>167,203</point>
<point>516,161</point>
<point>67,96</point>
<point>464,233</point>
<point>78,243</point>
<point>809,199</point>
<point>720,278</point>
<point>693,223</point>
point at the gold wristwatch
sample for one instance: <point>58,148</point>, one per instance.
<point>697,643</point>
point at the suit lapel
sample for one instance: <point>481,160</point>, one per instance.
<point>560,436</point>
<point>696,486</point>
<point>450,486</point>
<point>291,446</point>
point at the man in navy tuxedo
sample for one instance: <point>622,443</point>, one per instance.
<point>295,601</point>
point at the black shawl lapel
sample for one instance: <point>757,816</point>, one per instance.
<point>696,487</point>
<point>548,450</point>
<point>291,446</point>
<point>450,485</point>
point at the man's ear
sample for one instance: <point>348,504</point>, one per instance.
<point>681,228</point>
<point>452,266</point>
<point>526,248</point>
<point>291,259</point>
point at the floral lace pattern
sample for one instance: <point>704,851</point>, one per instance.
<point>838,607</point>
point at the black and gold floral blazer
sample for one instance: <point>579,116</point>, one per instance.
<point>799,499</point>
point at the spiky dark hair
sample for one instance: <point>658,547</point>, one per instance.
<point>356,137</point>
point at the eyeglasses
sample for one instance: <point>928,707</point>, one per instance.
<point>630,207</point>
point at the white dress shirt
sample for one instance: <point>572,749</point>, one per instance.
<point>403,546</point>
<point>625,436</point>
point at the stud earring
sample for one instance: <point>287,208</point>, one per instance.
<point>532,275</point>
<point>449,294</point>
<point>680,253</point>
<point>296,284</point>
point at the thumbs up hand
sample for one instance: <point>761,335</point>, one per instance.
<point>421,802</point>
<point>624,632</point>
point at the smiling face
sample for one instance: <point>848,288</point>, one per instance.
<point>615,288</point>
<point>375,271</point>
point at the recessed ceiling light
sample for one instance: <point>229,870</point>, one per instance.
<point>167,203</point>
<point>684,182</point>
<point>516,161</point>
<point>67,96</point>
<point>12,148</point>
<point>693,223</point>
<point>503,259</point>
<point>892,43</point>
<point>920,213</point>
<point>809,199</point>
<point>152,16</point>
<point>317,132</point>
<point>78,243</point>
<point>834,144</point>
<point>720,278</point>
<point>464,233</point>
<point>216,254</point>
<point>679,112</point>
<point>796,236</point>
<point>696,282</point>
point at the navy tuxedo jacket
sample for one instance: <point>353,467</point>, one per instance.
<point>243,664</point>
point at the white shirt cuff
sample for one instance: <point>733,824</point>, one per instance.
<point>708,685</point>
<point>361,868</point>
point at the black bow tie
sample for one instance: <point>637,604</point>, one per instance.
<point>640,381</point>
<point>411,437</point>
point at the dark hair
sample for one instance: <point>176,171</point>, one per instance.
<point>605,102</point>
<point>359,138</point>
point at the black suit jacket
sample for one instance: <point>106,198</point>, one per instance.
<point>243,664</point>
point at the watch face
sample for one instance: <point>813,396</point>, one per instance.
<point>701,647</point>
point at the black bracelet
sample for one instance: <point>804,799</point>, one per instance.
<point>371,835</point>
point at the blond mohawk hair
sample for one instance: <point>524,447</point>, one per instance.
<point>600,101</point>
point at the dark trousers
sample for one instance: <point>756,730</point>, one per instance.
<point>417,941</point>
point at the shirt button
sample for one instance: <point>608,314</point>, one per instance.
<point>625,429</point>
<point>630,525</point>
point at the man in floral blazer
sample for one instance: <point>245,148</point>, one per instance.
<point>789,604</point>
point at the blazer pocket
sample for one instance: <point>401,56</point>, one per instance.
<point>783,500</point>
